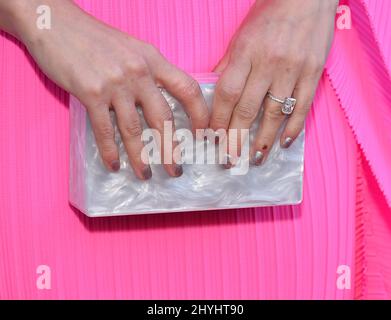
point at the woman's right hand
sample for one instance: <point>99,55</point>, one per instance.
<point>105,68</point>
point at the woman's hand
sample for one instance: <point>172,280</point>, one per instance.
<point>281,47</point>
<point>105,68</point>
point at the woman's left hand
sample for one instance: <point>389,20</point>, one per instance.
<point>280,48</point>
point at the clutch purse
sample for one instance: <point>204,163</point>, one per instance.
<point>97,192</point>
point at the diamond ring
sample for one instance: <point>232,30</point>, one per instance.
<point>288,104</point>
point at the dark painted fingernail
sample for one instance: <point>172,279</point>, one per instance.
<point>147,173</point>
<point>287,143</point>
<point>115,165</point>
<point>178,171</point>
<point>217,137</point>
<point>228,164</point>
<point>258,158</point>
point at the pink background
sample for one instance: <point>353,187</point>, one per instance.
<point>285,252</point>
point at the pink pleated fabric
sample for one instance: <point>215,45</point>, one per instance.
<point>282,252</point>
<point>373,213</point>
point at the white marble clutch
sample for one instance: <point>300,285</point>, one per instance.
<point>97,192</point>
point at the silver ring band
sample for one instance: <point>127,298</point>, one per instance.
<point>288,104</point>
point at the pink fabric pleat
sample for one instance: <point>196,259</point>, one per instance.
<point>284,252</point>
<point>358,72</point>
<point>373,214</point>
<point>373,238</point>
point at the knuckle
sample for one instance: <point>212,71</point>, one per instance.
<point>105,133</point>
<point>131,129</point>
<point>296,60</point>
<point>278,55</point>
<point>289,60</point>
<point>93,91</point>
<point>273,114</point>
<point>203,117</point>
<point>229,93</point>
<point>190,88</point>
<point>246,111</point>
<point>200,119</point>
<point>220,120</point>
<point>282,56</point>
<point>163,116</point>
<point>116,76</point>
<point>137,68</point>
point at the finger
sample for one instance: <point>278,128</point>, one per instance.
<point>187,91</point>
<point>228,92</point>
<point>271,121</point>
<point>104,135</point>
<point>304,93</point>
<point>248,108</point>
<point>159,116</point>
<point>130,127</point>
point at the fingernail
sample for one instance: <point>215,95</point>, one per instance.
<point>178,171</point>
<point>287,143</point>
<point>258,158</point>
<point>228,164</point>
<point>115,165</point>
<point>217,137</point>
<point>147,173</point>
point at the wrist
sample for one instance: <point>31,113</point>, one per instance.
<point>9,16</point>
<point>23,16</point>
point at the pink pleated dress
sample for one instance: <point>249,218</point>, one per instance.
<point>294,252</point>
